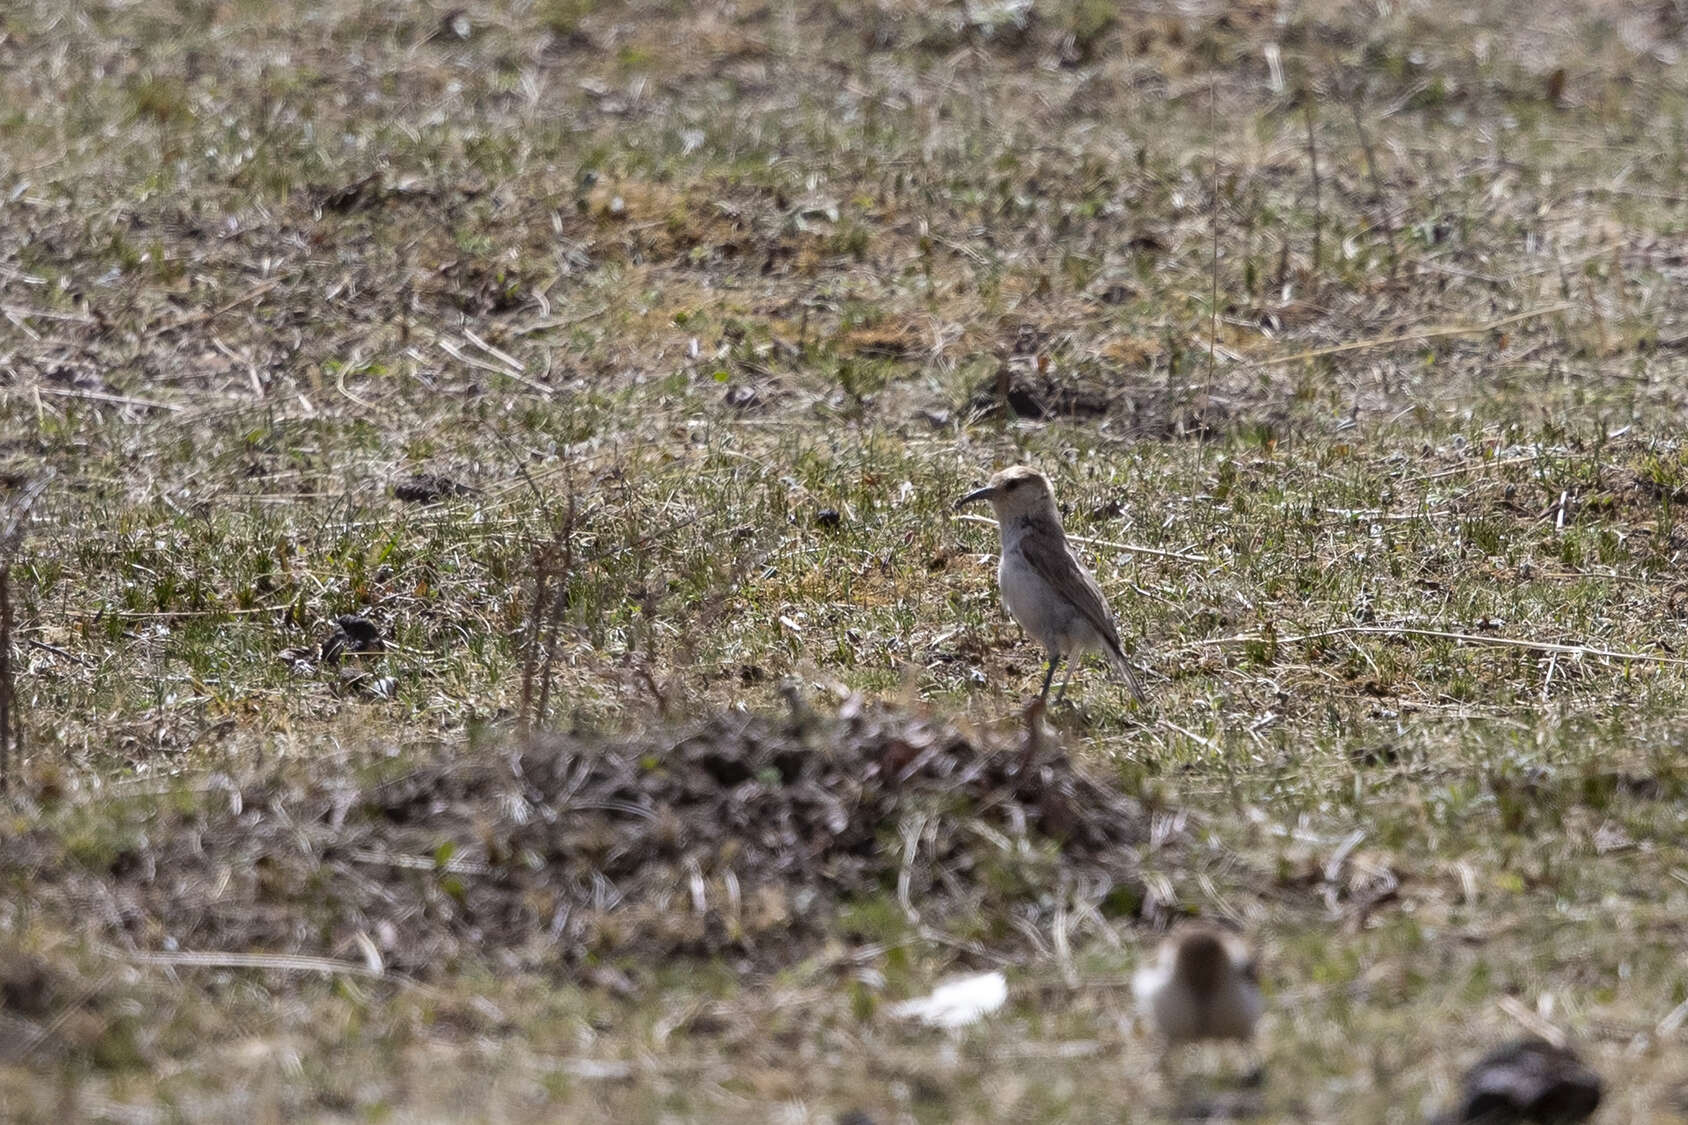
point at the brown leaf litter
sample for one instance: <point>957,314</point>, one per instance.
<point>737,836</point>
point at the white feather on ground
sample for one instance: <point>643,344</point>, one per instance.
<point>957,1002</point>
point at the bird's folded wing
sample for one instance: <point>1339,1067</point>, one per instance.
<point>1054,563</point>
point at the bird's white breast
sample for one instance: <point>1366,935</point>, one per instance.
<point>1028,597</point>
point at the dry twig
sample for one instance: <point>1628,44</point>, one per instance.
<point>1443,635</point>
<point>1413,337</point>
<point>274,962</point>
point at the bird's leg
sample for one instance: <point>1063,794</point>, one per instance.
<point>1054,661</point>
<point>1065,680</point>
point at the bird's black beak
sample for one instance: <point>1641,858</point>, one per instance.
<point>976,494</point>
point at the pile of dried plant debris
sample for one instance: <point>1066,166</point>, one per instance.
<point>744,837</point>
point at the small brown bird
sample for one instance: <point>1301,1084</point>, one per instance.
<point>1203,984</point>
<point>1043,584</point>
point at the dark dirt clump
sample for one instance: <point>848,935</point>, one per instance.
<point>1038,395</point>
<point>737,836</point>
<point>1150,410</point>
<point>428,488</point>
<point>44,1011</point>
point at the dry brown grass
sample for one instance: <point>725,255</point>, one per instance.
<point>746,286</point>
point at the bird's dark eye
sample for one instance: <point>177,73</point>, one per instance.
<point>1015,483</point>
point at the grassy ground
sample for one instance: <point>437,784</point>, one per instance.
<point>1393,523</point>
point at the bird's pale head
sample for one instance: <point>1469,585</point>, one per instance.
<point>1017,491</point>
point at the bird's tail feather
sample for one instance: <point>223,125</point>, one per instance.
<point>1121,665</point>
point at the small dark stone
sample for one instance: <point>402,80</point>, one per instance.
<point>1109,510</point>
<point>854,1117</point>
<point>1378,754</point>
<point>1036,395</point>
<point>127,862</point>
<point>828,517</point>
<point>347,198</point>
<point>427,488</point>
<point>352,634</point>
<point>364,634</point>
<point>1529,1080</point>
<point>28,985</point>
